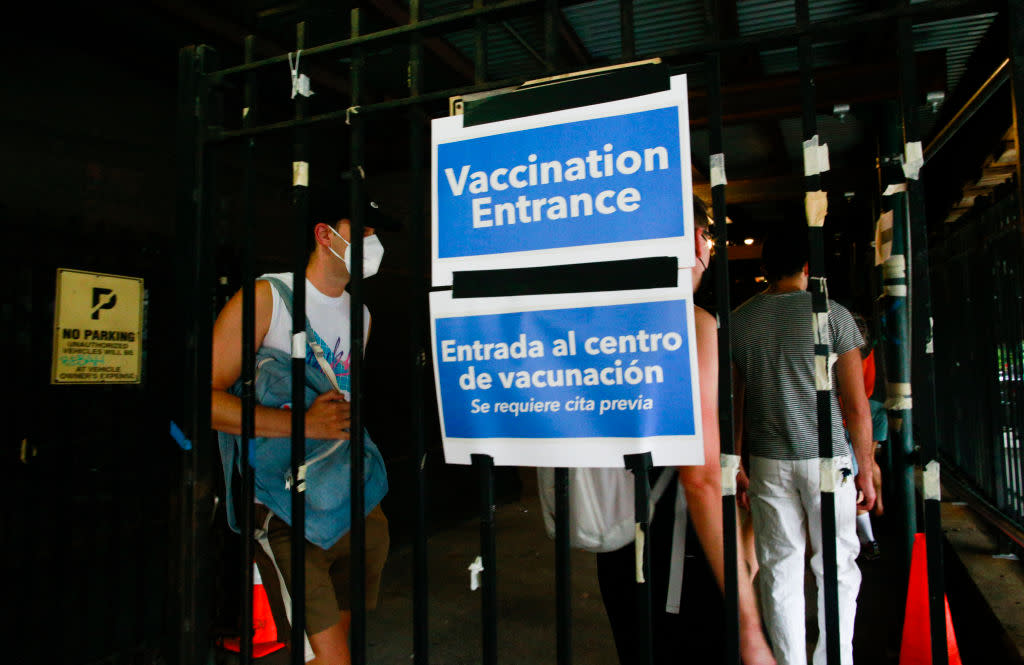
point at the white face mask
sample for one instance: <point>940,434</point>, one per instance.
<point>373,253</point>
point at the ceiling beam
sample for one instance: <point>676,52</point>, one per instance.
<point>572,40</point>
<point>234,33</point>
<point>779,96</point>
<point>756,190</point>
<point>444,51</point>
<point>768,189</point>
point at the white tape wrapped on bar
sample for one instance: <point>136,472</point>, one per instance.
<point>475,569</point>
<point>639,550</point>
<point>730,468</point>
<point>895,267</point>
<point>827,474</point>
<point>299,344</point>
<point>816,208</point>
<point>823,371</point>
<point>932,481</point>
<point>913,160</point>
<point>898,397</point>
<point>718,169</point>
<point>300,174</point>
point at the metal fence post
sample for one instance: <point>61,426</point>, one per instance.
<point>923,355</point>
<point>196,110</point>
<point>822,346</point>
<point>248,365</point>
<point>723,285</point>
<point>488,556</point>
<point>479,46</point>
<point>897,348</point>
<point>563,570</point>
<point>626,30</point>
<point>417,234</point>
<point>300,202</point>
<point>1015,12</point>
<point>640,465</point>
<point>357,634</point>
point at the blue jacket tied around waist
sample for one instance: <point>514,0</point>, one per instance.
<point>328,462</point>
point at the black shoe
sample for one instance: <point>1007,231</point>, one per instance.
<point>870,550</point>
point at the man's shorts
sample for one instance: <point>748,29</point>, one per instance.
<point>327,572</point>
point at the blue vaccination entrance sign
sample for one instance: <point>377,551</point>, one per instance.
<point>568,379</point>
<point>593,183</point>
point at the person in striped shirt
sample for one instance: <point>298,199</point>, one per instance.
<point>777,420</point>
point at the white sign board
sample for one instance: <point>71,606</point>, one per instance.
<point>568,379</point>
<point>599,182</point>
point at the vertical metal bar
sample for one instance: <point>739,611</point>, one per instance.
<point>357,635</point>
<point>480,46</point>
<point>300,202</point>
<point>488,555</point>
<point>196,111</point>
<point>820,306</point>
<point>1006,298</point>
<point>897,349</point>
<point>725,388</point>
<point>563,565</point>
<point>551,12</point>
<point>190,197</point>
<point>248,364</point>
<point>1015,12</point>
<point>417,318</point>
<point>563,570</point>
<point>640,464</point>
<point>923,357</point>
<point>626,26</point>
<point>626,30</point>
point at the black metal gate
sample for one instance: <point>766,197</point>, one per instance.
<point>222,120</point>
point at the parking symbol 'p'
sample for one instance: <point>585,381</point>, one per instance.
<point>102,299</point>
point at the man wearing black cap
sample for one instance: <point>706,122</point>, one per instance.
<point>328,417</point>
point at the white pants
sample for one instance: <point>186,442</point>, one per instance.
<point>786,506</point>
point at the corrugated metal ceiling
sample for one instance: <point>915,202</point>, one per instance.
<point>958,37</point>
<point>658,25</point>
<point>755,16</point>
<point>665,24</point>
<point>515,46</point>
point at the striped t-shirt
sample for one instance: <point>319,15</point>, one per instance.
<point>773,349</point>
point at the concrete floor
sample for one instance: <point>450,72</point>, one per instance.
<point>526,629</point>
<point>526,578</point>
<point>526,599</point>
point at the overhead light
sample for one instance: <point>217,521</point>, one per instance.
<point>840,111</point>
<point>934,100</point>
<point>759,279</point>
<point>748,241</point>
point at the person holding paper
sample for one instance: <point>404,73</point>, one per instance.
<point>695,634</point>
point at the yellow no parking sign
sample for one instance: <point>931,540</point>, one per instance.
<point>97,330</point>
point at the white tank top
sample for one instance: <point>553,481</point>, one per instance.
<point>329,318</point>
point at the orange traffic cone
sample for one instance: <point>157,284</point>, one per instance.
<point>916,648</point>
<point>264,638</point>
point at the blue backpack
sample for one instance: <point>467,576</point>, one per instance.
<point>328,468</point>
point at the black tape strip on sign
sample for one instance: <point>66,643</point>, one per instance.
<point>624,275</point>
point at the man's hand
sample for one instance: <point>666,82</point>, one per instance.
<point>743,489</point>
<point>866,487</point>
<point>329,417</point>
